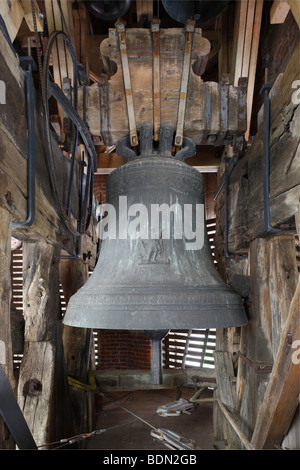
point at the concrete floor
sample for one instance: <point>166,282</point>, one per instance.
<point>197,426</point>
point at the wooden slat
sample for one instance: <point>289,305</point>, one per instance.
<point>248,38</point>
<point>81,34</point>
<point>253,62</point>
<point>12,13</point>
<point>279,11</point>
<point>26,4</point>
<point>245,51</point>
<point>189,31</point>
<point>224,376</point>
<point>238,40</point>
<point>295,9</point>
<point>186,347</point>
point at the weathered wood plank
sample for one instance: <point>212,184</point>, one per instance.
<point>281,398</point>
<point>6,355</point>
<point>35,388</point>
<point>73,275</point>
<point>282,393</point>
<point>253,61</point>
<point>245,204</point>
<point>41,393</point>
<point>201,123</point>
<point>26,4</point>
<point>295,9</point>
<point>279,11</point>
<point>238,41</point>
<point>224,377</point>
<point>12,12</point>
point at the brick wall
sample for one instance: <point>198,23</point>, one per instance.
<point>120,349</point>
<point>100,187</point>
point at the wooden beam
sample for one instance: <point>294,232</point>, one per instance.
<point>248,16</point>
<point>248,38</point>
<point>224,377</point>
<point>224,40</point>
<point>202,100</point>
<point>238,41</point>
<point>73,275</point>
<point>12,13</point>
<point>6,356</point>
<point>295,9</point>
<point>144,7</point>
<point>189,32</point>
<point>279,11</point>
<point>253,62</point>
<point>41,393</point>
<point>26,4</point>
<point>282,393</point>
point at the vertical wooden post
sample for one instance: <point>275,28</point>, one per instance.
<point>73,275</point>
<point>42,388</point>
<point>273,276</point>
<point>224,376</point>
<point>282,393</point>
<point>6,354</point>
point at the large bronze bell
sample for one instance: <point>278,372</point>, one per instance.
<point>154,276</point>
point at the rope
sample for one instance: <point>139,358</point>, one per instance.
<point>76,383</point>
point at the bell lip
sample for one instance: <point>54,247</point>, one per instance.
<point>136,308</point>
<point>226,317</point>
<point>242,320</point>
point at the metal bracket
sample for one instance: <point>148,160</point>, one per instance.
<point>120,27</point>
<point>57,93</point>
<point>27,63</point>
<point>156,77</point>
<point>254,365</point>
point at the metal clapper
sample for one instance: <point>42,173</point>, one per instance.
<point>175,408</point>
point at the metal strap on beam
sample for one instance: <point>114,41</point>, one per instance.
<point>120,27</point>
<point>189,31</point>
<point>156,77</point>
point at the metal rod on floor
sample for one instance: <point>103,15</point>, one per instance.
<point>136,416</point>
